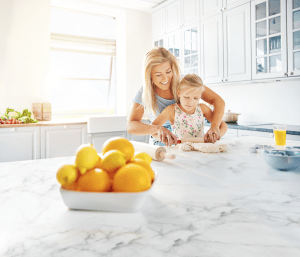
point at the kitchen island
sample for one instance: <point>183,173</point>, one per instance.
<point>225,204</point>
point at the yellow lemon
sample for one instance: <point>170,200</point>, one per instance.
<point>145,165</point>
<point>86,157</point>
<point>131,178</point>
<point>112,160</point>
<point>94,180</point>
<point>121,144</point>
<point>144,156</point>
<point>99,163</point>
<point>66,175</point>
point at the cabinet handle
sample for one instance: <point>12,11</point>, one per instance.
<point>222,80</point>
<point>224,8</point>
<point>290,73</point>
<point>221,10</point>
<point>285,74</point>
<point>272,135</point>
<point>13,129</point>
<point>225,79</point>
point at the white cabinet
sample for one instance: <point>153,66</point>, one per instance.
<point>18,144</point>
<point>190,11</point>
<point>61,141</point>
<point>293,36</point>
<point>159,22</point>
<point>212,49</point>
<point>210,8</point>
<point>269,48</point>
<point>98,139</point>
<point>226,48</point>
<point>173,16</point>
<point>160,41</point>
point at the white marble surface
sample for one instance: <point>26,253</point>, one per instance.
<point>226,204</point>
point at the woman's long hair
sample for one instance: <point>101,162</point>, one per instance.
<point>156,56</point>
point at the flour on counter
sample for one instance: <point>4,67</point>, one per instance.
<point>203,147</point>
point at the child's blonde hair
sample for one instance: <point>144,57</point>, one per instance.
<point>156,56</point>
<point>190,80</point>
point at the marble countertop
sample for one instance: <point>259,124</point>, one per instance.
<point>263,127</point>
<point>226,204</point>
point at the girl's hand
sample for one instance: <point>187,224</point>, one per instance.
<point>212,135</point>
<point>166,136</point>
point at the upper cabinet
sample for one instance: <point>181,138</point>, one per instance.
<point>293,34</point>
<point>226,46</point>
<point>210,8</point>
<point>173,16</point>
<point>190,11</point>
<point>159,23</point>
<point>269,49</point>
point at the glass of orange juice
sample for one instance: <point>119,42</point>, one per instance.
<point>280,136</point>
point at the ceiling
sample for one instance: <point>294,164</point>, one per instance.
<point>141,5</point>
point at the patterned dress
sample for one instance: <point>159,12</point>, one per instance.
<point>188,125</point>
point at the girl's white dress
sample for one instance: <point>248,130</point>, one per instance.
<point>188,125</point>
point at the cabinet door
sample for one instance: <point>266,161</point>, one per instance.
<point>160,41</point>
<point>190,49</point>
<point>190,11</point>
<point>158,22</point>
<point>98,139</point>
<point>212,49</point>
<point>237,43</point>
<point>173,16</point>
<point>19,144</point>
<point>269,57</point>
<point>229,4</point>
<point>210,8</point>
<point>61,141</point>
<point>293,34</point>
<point>173,43</point>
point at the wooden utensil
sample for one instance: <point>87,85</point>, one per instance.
<point>191,139</point>
<point>158,153</point>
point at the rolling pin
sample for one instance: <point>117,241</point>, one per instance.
<point>191,139</point>
<point>158,153</point>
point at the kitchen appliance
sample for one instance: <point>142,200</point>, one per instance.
<point>230,117</point>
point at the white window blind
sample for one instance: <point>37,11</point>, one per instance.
<point>83,56</point>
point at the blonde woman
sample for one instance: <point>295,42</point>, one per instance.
<point>162,73</point>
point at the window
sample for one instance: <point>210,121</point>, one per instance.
<point>83,63</point>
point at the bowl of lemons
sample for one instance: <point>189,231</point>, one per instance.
<point>118,179</point>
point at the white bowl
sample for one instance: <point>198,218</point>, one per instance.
<point>106,201</point>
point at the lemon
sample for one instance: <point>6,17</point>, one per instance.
<point>99,163</point>
<point>144,156</point>
<point>131,178</point>
<point>67,175</point>
<point>145,165</point>
<point>121,144</point>
<point>86,157</point>
<point>112,160</point>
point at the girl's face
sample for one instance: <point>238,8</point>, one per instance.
<point>161,75</point>
<point>189,98</point>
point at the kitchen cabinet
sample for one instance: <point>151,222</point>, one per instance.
<point>160,41</point>
<point>269,39</point>
<point>190,12</point>
<point>98,139</point>
<point>19,144</point>
<point>293,37</point>
<point>225,46</point>
<point>61,141</point>
<point>210,8</point>
<point>159,22</point>
<point>173,16</point>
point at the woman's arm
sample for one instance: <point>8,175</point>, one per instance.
<point>208,114</point>
<point>211,97</point>
<point>136,127</point>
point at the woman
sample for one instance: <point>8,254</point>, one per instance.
<point>162,75</point>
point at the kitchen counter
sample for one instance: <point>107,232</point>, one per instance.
<point>263,127</point>
<point>226,204</point>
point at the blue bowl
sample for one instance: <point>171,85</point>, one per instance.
<point>282,159</point>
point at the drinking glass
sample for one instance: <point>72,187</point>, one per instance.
<point>280,136</point>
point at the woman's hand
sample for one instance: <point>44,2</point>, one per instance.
<point>212,135</point>
<point>166,136</point>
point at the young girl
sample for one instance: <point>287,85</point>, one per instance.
<point>187,115</point>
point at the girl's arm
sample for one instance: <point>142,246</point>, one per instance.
<point>208,114</point>
<point>136,127</point>
<point>211,97</point>
<point>166,114</point>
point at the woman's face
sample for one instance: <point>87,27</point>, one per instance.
<point>161,75</point>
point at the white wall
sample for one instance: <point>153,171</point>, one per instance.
<point>25,52</point>
<point>272,102</point>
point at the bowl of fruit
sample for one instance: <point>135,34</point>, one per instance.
<point>118,179</point>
